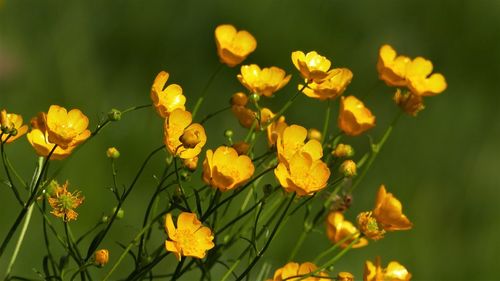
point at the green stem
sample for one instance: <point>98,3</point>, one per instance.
<point>285,107</point>
<point>327,121</point>
<point>12,185</point>
<point>204,92</point>
<point>299,243</point>
<point>209,116</point>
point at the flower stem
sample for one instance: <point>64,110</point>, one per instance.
<point>299,243</point>
<point>204,92</point>
<point>327,121</point>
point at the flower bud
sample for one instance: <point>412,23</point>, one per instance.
<point>191,163</point>
<point>168,159</point>
<point>228,133</point>
<point>343,151</point>
<point>241,147</point>
<point>239,99</point>
<point>348,168</point>
<point>104,219</point>
<point>112,153</point>
<point>185,176</point>
<point>101,257</point>
<point>120,214</point>
<point>190,138</point>
<point>345,276</point>
<point>314,134</point>
<point>254,97</point>
<point>114,115</point>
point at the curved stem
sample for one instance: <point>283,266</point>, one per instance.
<point>204,92</point>
<point>213,114</point>
<point>12,185</point>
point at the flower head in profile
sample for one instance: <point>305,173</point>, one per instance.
<point>64,203</point>
<point>224,169</point>
<point>275,129</point>
<point>354,117</point>
<point>182,138</point>
<point>393,272</point>
<point>338,229</point>
<point>389,212</point>
<point>293,269</point>
<point>11,126</point>
<point>101,257</point>
<point>38,138</point>
<point>332,87</point>
<point>166,99</point>
<point>312,66</point>
<point>300,168</point>
<point>233,46</point>
<point>265,81</point>
<point>190,238</point>
<point>66,128</point>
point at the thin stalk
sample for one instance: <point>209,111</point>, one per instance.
<point>299,243</point>
<point>326,121</point>
<point>204,92</point>
<point>4,160</point>
<point>285,107</point>
<point>209,116</point>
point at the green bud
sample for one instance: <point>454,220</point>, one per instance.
<point>120,214</point>
<point>104,219</point>
<point>228,133</point>
<point>115,115</point>
<point>254,97</point>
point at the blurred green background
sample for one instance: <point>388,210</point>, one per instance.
<point>443,165</point>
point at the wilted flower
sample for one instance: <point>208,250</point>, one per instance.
<point>66,128</point>
<point>225,169</point>
<point>182,138</point>
<point>263,81</point>
<point>339,229</point>
<point>190,238</point>
<point>312,66</point>
<point>393,272</point>
<point>166,99</point>
<point>233,46</point>
<point>293,269</point>
<point>11,126</point>
<point>332,87</point>
<point>409,102</point>
<point>354,117</point>
<point>64,202</point>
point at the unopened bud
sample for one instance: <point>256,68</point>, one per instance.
<point>191,163</point>
<point>101,257</point>
<point>345,276</point>
<point>185,176</point>
<point>190,138</point>
<point>112,153</point>
<point>228,133</point>
<point>314,134</point>
<point>104,219</point>
<point>254,97</point>
<point>343,151</point>
<point>348,168</point>
<point>120,214</point>
<point>114,115</point>
<point>239,99</point>
<point>241,147</point>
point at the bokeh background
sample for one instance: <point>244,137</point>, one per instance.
<point>98,55</point>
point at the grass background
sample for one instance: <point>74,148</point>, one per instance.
<point>98,55</point>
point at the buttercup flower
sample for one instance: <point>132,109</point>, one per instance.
<point>191,163</point>
<point>166,99</point>
<point>11,126</point>
<point>101,257</point>
<point>345,276</point>
<point>292,141</point>
<point>332,87</point>
<point>275,129</point>
<point>393,272</point>
<point>369,226</point>
<point>246,117</point>
<point>233,46</point>
<point>265,81</point>
<point>389,212</point>
<point>38,139</point>
<point>392,68</point>
<point>190,238</point>
<point>225,170</point>
<point>314,134</point>
<point>65,128</point>
<point>354,117</point>
<point>339,229</point>
<point>312,66</point>
<point>343,150</point>
<point>64,202</point>
<point>348,168</point>
<point>182,138</point>
<point>292,269</point>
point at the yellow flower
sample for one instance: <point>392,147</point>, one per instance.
<point>312,66</point>
<point>190,238</point>
<point>225,170</point>
<point>38,139</point>
<point>370,227</point>
<point>339,229</point>
<point>314,134</point>
<point>389,212</point>
<point>246,117</point>
<point>233,46</point>
<point>191,163</point>
<point>275,129</point>
<point>264,81</point>
<point>292,269</point>
<point>11,126</point>
<point>64,202</point>
<point>354,117</point>
<point>343,150</point>
<point>332,87</point>
<point>291,142</point>
<point>348,168</point>
<point>65,128</point>
<point>177,128</point>
<point>166,100</point>
<point>393,272</point>
<point>401,71</point>
<point>345,276</point>
<point>101,257</point>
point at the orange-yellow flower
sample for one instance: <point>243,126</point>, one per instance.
<point>65,128</point>
<point>101,257</point>
<point>38,139</point>
<point>354,117</point>
<point>225,170</point>
<point>265,81</point>
<point>166,99</point>
<point>292,141</point>
<point>182,138</point>
<point>246,117</point>
<point>312,66</point>
<point>345,276</point>
<point>275,129</point>
<point>64,202</point>
<point>190,238</point>
<point>332,87</point>
<point>416,74</point>
<point>11,126</point>
<point>233,46</point>
<point>393,272</point>
<point>389,212</point>
<point>339,229</point>
<point>292,269</point>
